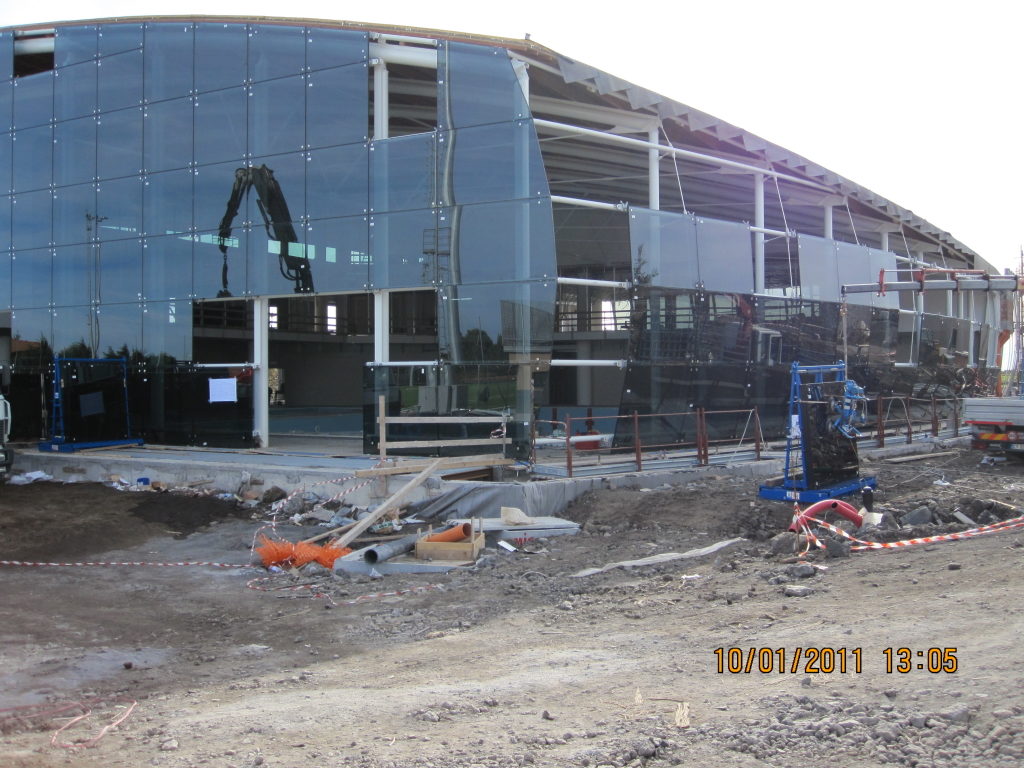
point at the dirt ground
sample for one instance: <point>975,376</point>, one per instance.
<point>517,661</point>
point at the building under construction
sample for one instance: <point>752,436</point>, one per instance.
<point>273,223</point>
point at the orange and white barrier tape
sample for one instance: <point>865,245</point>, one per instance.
<point>132,563</point>
<point>860,544</point>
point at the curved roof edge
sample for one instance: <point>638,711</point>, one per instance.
<point>606,84</point>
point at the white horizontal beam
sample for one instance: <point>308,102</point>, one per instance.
<point>621,207</point>
<point>404,54</point>
<point>588,363</point>
<point>612,138</point>
<point>594,283</point>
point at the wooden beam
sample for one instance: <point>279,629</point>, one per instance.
<point>409,468</point>
<point>391,503</point>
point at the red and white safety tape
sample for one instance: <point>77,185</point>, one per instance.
<point>861,545</point>
<point>132,563</point>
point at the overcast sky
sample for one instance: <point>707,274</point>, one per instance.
<point>917,101</point>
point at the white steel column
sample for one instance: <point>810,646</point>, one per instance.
<point>885,240</point>
<point>261,372</point>
<point>381,106</point>
<point>653,171</point>
<point>828,222</point>
<point>382,326</point>
<point>758,235</point>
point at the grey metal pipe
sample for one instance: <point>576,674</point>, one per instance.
<point>390,549</point>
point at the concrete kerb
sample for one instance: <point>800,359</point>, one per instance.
<point>478,499</point>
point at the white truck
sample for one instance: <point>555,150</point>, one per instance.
<point>6,452</point>
<point>997,423</point>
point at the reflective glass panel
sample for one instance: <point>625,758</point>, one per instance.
<point>220,126</point>
<point>120,81</point>
<point>340,249</point>
<point>31,272</point>
<point>853,265</point>
<point>74,212</point>
<point>337,181</point>
<point>30,216</point>
<point>119,144</point>
<point>281,261</point>
<point>75,90</point>
<point>664,248</point>
<point>120,270</point>
<point>6,55</point>
<point>167,204</point>
<point>499,241</point>
<point>6,169</point>
<point>74,151</point>
<point>33,99</point>
<point>5,279</point>
<point>120,330</point>
<point>212,190</point>
<point>819,278</point>
<point>277,116</point>
<point>5,222</point>
<point>75,274</point>
<point>334,47</point>
<point>169,55</point>
<point>33,157</point>
<point>276,51</point>
<point>114,38</point>
<point>6,104</point>
<point>219,264</point>
<point>402,173</point>
<point>167,267</point>
<point>220,56</point>
<point>480,87</point>
<point>75,332</point>
<point>490,322</point>
<point>167,330</point>
<point>168,135</point>
<point>726,256</point>
<point>119,206</point>
<point>35,328</point>
<point>74,44</point>
<point>494,162</point>
<point>280,183</point>
<point>403,249</point>
<point>337,106</point>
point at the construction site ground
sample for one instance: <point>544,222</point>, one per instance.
<point>515,661</point>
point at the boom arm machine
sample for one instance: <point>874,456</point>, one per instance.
<point>277,220</point>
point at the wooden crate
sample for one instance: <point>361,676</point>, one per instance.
<point>456,551</point>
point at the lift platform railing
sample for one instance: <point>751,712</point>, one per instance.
<point>578,442</point>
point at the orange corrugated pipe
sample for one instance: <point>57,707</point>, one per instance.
<point>458,533</point>
<point>840,506</point>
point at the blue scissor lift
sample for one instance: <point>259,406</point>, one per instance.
<point>824,409</point>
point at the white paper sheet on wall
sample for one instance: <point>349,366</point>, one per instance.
<point>223,391</point>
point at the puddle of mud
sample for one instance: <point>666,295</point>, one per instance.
<point>54,677</point>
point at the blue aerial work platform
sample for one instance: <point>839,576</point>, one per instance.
<point>821,448</point>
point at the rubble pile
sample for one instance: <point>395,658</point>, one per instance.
<point>882,733</point>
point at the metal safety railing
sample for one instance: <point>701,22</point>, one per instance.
<point>900,416</point>
<point>624,439</point>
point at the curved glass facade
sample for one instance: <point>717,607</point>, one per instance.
<point>392,199</point>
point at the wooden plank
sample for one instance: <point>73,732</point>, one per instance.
<point>392,503</point>
<point>410,467</point>
<point>445,443</point>
<point>920,457</point>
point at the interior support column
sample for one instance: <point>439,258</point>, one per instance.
<point>654,171</point>
<point>380,99</point>
<point>759,235</point>
<point>381,327</point>
<point>828,223</point>
<point>261,372</point>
